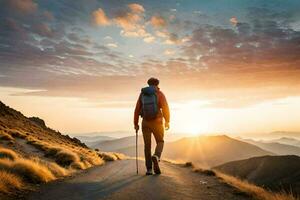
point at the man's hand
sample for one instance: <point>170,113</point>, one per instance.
<point>167,125</point>
<point>136,127</point>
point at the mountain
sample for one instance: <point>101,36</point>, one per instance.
<point>285,134</point>
<point>118,144</point>
<point>209,151</point>
<point>275,147</point>
<point>30,136</point>
<point>272,172</point>
<point>91,141</point>
<point>206,151</point>
<point>288,140</point>
<point>113,134</point>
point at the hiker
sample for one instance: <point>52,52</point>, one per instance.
<point>153,108</point>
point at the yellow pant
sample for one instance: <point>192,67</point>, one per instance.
<point>156,127</point>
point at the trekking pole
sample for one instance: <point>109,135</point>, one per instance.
<point>136,152</point>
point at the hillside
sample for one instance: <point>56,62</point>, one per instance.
<point>31,136</point>
<point>276,147</point>
<point>273,172</point>
<point>31,153</point>
<point>206,151</point>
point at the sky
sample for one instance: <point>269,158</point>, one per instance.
<point>225,66</point>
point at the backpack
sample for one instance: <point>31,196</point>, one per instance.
<point>149,103</point>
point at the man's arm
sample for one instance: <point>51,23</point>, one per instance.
<point>137,112</point>
<point>165,110</point>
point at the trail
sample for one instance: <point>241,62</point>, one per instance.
<point>118,180</point>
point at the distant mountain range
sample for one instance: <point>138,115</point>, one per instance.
<point>206,151</point>
<point>91,141</point>
<point>285,134</point>
<point>276,147</point>
<point>273,172</point>
<point>288,140</point>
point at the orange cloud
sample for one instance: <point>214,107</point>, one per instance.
<point>23,6</point>
<point>136,8</point>
<point>128,21</point>
<point>149,39</point>
<point>99,17</point>
<point>158,21</point>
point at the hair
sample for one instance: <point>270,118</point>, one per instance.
<point>153,81</point>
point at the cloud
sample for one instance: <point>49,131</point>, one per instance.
<point>107,38</point>
<point>149,39</point>
<point>136,8</point>
<point>169,52</point>
<point>113,45</point>
<point>139,32</point>
<point>99,17</point>
<point>131,21</point>
<point>128,21</point>
<point>162,34</point>
<point>158,21</point>
<point>43,30</point>
<point>256,60</point>
<point>22,7</point>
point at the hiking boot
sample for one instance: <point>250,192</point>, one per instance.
<point>155,161</point>
<point>149,172</point>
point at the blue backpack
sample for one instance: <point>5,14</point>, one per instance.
<point>149,103</point>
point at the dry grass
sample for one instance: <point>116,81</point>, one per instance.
<point>32,172</point>
<point>65,156</point>
<point>120,156</point>
<point>5,136</point>
<point>18,134</point>
<point>110,156</point>
<point>255,191</point>
<point>5,165</point>
<point>19,171</point>
<point>8,154</point>
<point>56,170</point>
<point>207,172</point>
<point>9,182</point>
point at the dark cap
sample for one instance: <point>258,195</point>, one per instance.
<point>153,81</point>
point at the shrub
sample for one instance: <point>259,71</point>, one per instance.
<point>39,145</point>
<point>8,154</point>
<point>56,170</point>
<point>206,172</point>
<point>5,136</point>
<point>188,164</point>
<point>78,165</point>
<point>5,164</point>
<point>107,156</point>
<point>31,171</point>
<point>9,182</point>
<point>52,151</point>
<point>120,156</point>
<point>15,133</point>
<point>66,158</point>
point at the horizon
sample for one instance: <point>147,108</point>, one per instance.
<point>227,67</point>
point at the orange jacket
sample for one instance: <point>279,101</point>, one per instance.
<point>163,106</point>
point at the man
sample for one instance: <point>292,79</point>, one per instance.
<point>153,108</point>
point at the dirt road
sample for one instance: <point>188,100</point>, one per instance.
<point>118,180</point>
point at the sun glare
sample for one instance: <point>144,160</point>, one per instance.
<point>194,120</point>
